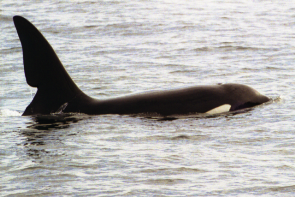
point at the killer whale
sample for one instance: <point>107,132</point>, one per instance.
<point>58,93</point>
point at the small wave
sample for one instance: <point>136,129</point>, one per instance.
<point>233,48</point>
<point>8,112</point>
<point>5,18</point>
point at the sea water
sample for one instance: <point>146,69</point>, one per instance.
<point>115,48</point>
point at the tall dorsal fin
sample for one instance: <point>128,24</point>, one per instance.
<point>43,70</point>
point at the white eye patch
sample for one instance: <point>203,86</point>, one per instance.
<point>220,109</point>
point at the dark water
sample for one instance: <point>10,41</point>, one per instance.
<point>113,48</point>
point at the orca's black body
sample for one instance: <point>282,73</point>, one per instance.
<point>57,91</point>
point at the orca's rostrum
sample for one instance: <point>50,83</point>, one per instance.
<point>58,93</point>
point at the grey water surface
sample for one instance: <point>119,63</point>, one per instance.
<point>113,48</point>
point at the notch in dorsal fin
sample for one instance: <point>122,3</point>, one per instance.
<point>43,70</point>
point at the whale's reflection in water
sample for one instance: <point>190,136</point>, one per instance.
<point>55,121</point>
<point>44,136</point>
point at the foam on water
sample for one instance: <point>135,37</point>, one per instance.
<point>8,112</point>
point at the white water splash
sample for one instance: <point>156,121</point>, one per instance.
<point>8,112</point>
